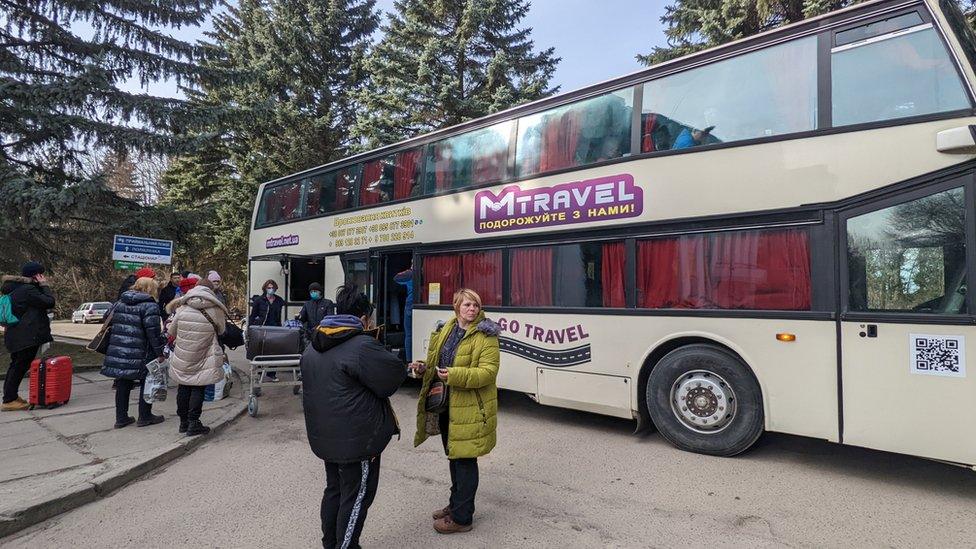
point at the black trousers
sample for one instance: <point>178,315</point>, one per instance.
<point>464,481</point>
<point>349,491</point>
<point>20,362</point>
<point>189,402</point>
<point>123,388</point>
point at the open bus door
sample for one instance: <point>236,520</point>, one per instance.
<point>374,273</point>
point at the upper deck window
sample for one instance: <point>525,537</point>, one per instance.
<point>469,159</point>
<point>904,73</point>
<point>280,203</point>
<point>573,135</point>
<point>764,93</point>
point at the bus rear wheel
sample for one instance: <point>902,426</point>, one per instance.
<point>704,399</point>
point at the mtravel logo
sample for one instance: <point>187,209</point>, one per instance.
<point>600,199</point>
<point>281,241</point>
<point>571,348</point>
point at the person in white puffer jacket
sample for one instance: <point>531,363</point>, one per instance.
<point>197,359</point>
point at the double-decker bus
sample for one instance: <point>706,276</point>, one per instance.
<point>775,234</point>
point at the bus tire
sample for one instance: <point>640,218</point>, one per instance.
<point>704,399</point>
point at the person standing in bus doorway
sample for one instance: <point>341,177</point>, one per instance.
<point>348,378</point>
<point>315,309</point>
<point>30,299</point>
<point>464,352</point>
<point>266,310</point>
<point>405,279</point>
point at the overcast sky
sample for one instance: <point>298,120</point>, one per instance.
<point>596,39</point>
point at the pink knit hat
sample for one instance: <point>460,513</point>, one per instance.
<point>213,276</point>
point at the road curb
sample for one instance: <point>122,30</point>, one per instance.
<point>103,485</point>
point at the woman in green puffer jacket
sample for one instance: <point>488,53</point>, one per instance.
<point>463,352</point>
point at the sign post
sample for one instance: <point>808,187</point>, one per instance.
<point>134,249</point>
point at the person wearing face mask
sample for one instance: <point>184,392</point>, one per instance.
<point>315,309</point>
<point>266,310</point>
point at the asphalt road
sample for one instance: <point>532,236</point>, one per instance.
<point>558,478</point>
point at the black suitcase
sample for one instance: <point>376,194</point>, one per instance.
<point>273,340</point>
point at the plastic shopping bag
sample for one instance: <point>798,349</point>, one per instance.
<point>221,389</point>
<point>154,388</point>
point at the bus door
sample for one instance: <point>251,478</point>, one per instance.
<point>908,340</point>
<point>392,309</point>
<point>374,273</point>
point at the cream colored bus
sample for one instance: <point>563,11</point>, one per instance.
<point>773,235</point>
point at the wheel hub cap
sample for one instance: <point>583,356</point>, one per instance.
<point>703,401</point>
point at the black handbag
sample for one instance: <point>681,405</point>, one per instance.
<point>233,337</point>
<point>436,401</point>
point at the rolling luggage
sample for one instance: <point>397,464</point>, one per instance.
<point>50,381</point>
<point>273,340</point>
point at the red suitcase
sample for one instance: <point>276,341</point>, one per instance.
<point>50,381</point>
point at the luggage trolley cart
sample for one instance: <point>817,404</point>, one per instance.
<point>273,349</point>
<point>265,364</point>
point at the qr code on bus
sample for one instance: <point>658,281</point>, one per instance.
<point>938,355</point>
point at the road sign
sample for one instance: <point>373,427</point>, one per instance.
<point>142,250</point>
<point>128,265</point>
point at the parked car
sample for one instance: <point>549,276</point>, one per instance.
<point>91,312</point>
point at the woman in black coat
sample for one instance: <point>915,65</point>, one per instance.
<point>135,339</point>
<point>267,310</point>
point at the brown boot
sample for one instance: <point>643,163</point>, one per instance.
<point>447,525</point>
<point>441,513</point>
<point>14,406</point>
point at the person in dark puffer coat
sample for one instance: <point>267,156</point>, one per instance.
<point>135,339</point>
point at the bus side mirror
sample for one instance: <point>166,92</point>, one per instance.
<point>961,140</point>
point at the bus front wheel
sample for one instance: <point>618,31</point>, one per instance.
<point>705,399</point>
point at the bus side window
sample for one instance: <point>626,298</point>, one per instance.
<point>905,74</point>
<point>909,257</point>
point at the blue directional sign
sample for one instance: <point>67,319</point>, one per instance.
<point>144,250</point>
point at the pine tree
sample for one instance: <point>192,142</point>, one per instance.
<point>441,62</point>
<point>694,25</point>
<point>288,68</point>
<point>59,86</point>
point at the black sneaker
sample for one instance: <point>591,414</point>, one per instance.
<point>183,426</point>
<point>125,422</point>
<point>151,420</point>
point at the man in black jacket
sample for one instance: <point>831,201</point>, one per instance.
<point>30,299</point>
<point>315,309</point>
<point>347,379</point>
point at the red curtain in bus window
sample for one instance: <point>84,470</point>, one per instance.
<point>369,183</point>
<point>531,277</point>
<point>560,138</point>
<point>343,197</point>
<point>444,269</point>
<point>785,255</point>
<point>647,141</point>
<point>405,173</point>
<point>291,195</point>
<point>761,270</point>
<point>313,197</point>
<point>482,272</point>
<point>672,273</point>
<point>612,275</point>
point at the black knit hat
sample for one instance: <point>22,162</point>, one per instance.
<point>31,269</point>
<point>314,286</point>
